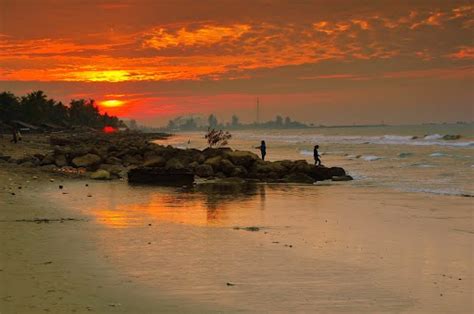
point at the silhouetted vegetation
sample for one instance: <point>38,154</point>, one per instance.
<point>36,108</point>
<point>217,138</point>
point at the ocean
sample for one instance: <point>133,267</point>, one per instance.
<point>411,158</point>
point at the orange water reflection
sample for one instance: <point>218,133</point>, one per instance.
<point>205,206</point>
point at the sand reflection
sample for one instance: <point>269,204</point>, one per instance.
<point>204,205</point>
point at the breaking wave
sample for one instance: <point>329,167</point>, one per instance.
<point>311,139</point>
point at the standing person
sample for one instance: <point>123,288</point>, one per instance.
<point>263,149</point>
<point>18,135</point>
<point>14,135</point>
<point>316,156</point>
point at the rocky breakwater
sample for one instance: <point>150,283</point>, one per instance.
<point>109,156</point>
<point>162,163</point>
<point>93,154</point>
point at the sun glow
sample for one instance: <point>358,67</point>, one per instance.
<point>111,103</point>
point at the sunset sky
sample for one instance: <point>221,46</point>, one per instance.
<point>329,62</point>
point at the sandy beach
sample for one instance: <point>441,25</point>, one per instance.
<point>328,248</point>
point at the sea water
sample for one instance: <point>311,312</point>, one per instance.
<point>411,158</point>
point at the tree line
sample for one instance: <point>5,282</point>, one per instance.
<point>195,123</point>
<point>36,108</point>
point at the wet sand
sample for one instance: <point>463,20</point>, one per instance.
<point>55,267</point>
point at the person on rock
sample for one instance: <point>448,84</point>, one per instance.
<point>263,149</point>
<point>317,160</point>
<point>14,135</point>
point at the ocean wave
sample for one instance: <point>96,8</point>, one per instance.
<point>371,158</point>
<point>438,155</point>
<point>423,165</point>
<point>311,139</point>
<point>433,137</point>
<point>451,192</point>
<point>306,152</point>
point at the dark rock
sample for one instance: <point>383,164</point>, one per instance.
<point>155,161</point>
<point>88,161</point>
<point>161,176</point>
<point>60,161</point>
<point>342,178</point>
<point>450,137</point>
<point>4,157</point>
<point>174,164</point>
<point>114,170</point>
<point>240,172</point>
<point>298,178</point>
<point>204,171</point>
<point>48,159</point>
<point>213,152</point>
<point>114,160</point>
<point>100,174</point>
<point>242,158</point>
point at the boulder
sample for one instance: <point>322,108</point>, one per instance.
<point>174,164</point>
<point>87,161</point>
<point>134,159</point>
<point>155,161</point>
<point>242,158</point>
<point>100,174</point>
<point>321,173</point>
<point>114,161</point>
<point>160,176</point>
<point>193,165</point>
<point>4,157</point>
<point>204,171</point>
<point>114,170</point>
<point>301,166</point>
<point>450,137</point>
<point>48,159</point>
<point>213,152</point>
<point>342,178</point>
<point>60,160</point>
<point>298,178</point>
<point>226,166</point>
<point>239,172</point>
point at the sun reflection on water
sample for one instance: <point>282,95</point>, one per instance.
<point>206,206</point>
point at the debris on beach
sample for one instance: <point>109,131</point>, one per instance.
<point>230,284</point>
<point>48,220</point>
<point>252,228</point>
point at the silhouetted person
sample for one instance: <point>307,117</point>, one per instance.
<point>263,149</point>
<point>14,135</point>
<point>316,156</point>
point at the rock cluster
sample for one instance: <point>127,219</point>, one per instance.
<point>113,156</point>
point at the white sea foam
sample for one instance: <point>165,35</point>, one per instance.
<point>438,155</point>
<point>371,158</point>
<point>306,152</point>
<point>433,137</point>
<point>453,192</point>
<point>423,165</point>
<point>311,139</point>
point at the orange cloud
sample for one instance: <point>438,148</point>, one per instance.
<point>214,51</point>
<point>205,35</point>
<point>463,53</point>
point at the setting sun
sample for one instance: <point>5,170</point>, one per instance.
<point>111,103</point>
